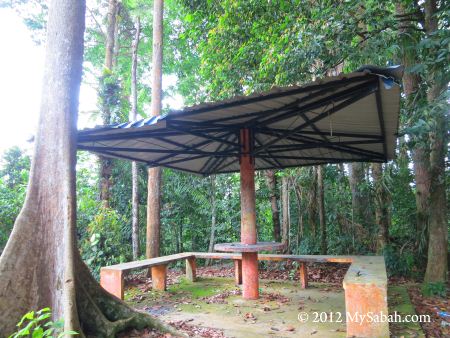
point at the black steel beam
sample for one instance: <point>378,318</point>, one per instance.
<point>213,107</point>
<point>381,120</point>
<point>319,117</point>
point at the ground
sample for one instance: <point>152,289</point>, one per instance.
<point>213,307</point>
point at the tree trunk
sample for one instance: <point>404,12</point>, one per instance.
<point>41,266</point>
<point>421,162</point>
<point>106,163</point>
<point>154,174</point>
<point>321,205</point>
<point>359,199</point>
<point>134,165</point>
<point>213,217</point>
<point>300,225</point>
<point>285,214</point>
<point>420,153</point>
<point>381,207</point>
<point>271,181</point>
<point>438,240</point>
<point>312,203</point>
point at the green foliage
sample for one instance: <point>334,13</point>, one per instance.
<point>14,172</point>
<point>104,244</point>
<point>39,324</point>
<point>434,289</point>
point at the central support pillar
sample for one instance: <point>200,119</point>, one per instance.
<point>250,282</point>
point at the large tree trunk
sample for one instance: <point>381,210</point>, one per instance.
<point>41,266</point>
<point>213,217</point>
<point>381,207</point>
<point>321,205</point>
<point>134,165</point>
<point>271,181</point>
<point>420,153</point>
<point>285,212</point>
<point>106,163</point>
<point>438,240</point>
<point>154,174</point>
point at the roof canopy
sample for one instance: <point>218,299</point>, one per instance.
<point>348,118</point>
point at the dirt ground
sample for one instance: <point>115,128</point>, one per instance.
<point>213,306</point>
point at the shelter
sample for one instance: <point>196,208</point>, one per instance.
<point>348,118</point>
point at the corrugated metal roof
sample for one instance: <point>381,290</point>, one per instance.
<point>351,117</point>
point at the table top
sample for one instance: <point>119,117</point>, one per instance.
<point>240,247</point>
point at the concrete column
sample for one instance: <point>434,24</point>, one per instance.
<point>112,281</point>
<point>159,277</point>
<point>191,269</point>
<point>238,271</point>
<point>250,283</point>
<point>303,273</point>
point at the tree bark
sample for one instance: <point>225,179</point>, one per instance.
<point>271,181</point>
<point>285,214</point>
<point>312,203</point>
<point>438,241</point>
<point>381,207</point>
<point>359,199</point>
<point>300,225</point>
<point>41,266</point>
<point>106,163</point>
<point>321,205</point>
<point>134,165</point>
<point>420,152</point>
<point>154,174</point>
<point>213,217</point>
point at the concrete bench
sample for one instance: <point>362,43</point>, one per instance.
<point>365,283</point>
<point>112,277</point>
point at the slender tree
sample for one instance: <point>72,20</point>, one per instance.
<point>41,266</point>
<point>359,200</point>
<point>134,165</point>
<point>285,224</point>
<point>110,38</point>
<point>213,216</point>
<point>154,174</point>
<point>382,218</point>
<point>271,181</point>
<point>321,207</point>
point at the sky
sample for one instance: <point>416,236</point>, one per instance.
<point>21,71</point>
<point>21,64</point>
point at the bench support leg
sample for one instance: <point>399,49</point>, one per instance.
<point>159,277</point>
<point>112,281</point>
<point>191,269</point>
<point>361,299</point>
<point>238,271</point>
<point>303,274</point>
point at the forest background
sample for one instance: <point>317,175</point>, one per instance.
<point>218,49</point>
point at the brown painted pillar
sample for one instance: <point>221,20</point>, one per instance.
<point>303,274</point>
<point>191,269</point>
<point>159,277</point>
<point>250,283</point>
<point>238,271</point>
<point>112,281</point>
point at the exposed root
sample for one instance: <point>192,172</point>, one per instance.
<point>103,315</point>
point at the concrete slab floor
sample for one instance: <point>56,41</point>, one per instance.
<point>215,303</point>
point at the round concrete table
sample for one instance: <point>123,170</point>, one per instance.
<point>250,281</point>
